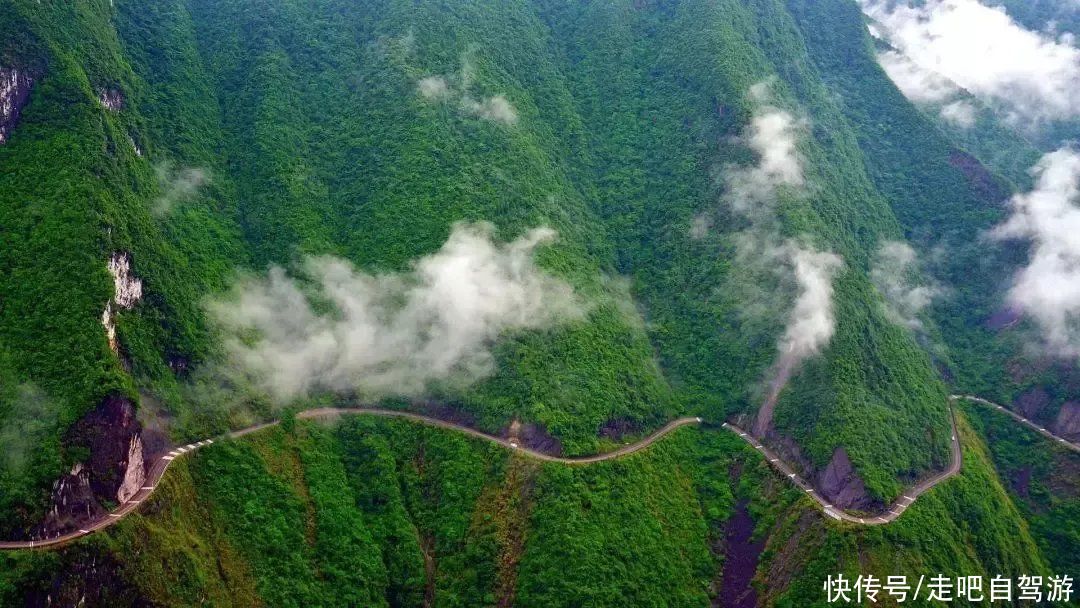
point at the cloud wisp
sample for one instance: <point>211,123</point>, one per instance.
<point>811,321</point>
<point>947,45</point>
<point>753,192</point>
<point>434,87</point>
<point>439,88</point>
<point>31,418</point>
<point>773,135</point>
<point>1048,288</point>
<point>178,186</point>
<point>894,274</point>
<point>959,113</point>
<point>496,109</point>
<point>917,83</point>
<point>392,334</point>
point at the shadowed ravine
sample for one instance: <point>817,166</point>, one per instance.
<point>157,470</point>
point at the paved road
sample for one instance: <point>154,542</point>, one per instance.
<point>1034,426</point>
<point>162,463</point>
<point>508,443</point>
<point>152,479</point>
<point>907,498</point>
<point>892,511</point>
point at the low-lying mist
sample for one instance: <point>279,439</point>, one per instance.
<point>1048,288</point>
<point>337,328</point>
<point>753,193</point>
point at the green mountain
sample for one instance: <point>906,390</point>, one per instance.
<point>184,182</point>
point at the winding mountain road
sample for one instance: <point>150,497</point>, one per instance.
<point>906,499</point>
<point>1032,425</point>
<point>508,443</point>
<point>893,511</point>
<point>157,470</point>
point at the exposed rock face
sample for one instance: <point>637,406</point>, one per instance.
<point>135,473</point>
<point>127,290</point>
<point>155,427</point>
<point>742,554</point>
<point>135,146</point>
<point>109,322</point>
<point>14,92</point>
<point>536,437</point>
<point>1067,424</point>
<point>84,577</point>
<point>111,432</point>
<point>617,428</point>
<point>789,451</point>
<point>1021,481</point>
<point>978,176</point>
<point>128,287</point>
<point>1022,369</point>
<point>841,484</point>
<point>72,501</point>
<point>1030,403</point>
<point>179,364</point>
<point>1005,318</point>
<point>112,99</point>
<point>114,471</point>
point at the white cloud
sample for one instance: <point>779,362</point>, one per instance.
<point>1048,288</point>
<point>915,82</point>
<point>178,185</point>
<point>893,273</point>
<point>496,108</point>
<point>392,334</point>
<point>433,87</point>
<point>959,113</point>
<point>773,134</point>
<point>700,226</point>
<point>752,192</point>
<point>982,50</point>
<point>811,322</point>
<point>28,423</point>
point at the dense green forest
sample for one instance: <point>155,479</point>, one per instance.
<point>917,167</point>
<point>308,121</point>
<point>1042,480</point>
<point>208,142</point>
<point>391,513</point>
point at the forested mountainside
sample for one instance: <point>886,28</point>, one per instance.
<point>566,221</point>
<point>989,341</point>
<point>391,513</point>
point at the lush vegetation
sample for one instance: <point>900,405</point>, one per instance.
<point>391,513</point>
<point>1043,481</point>
<point>945,199</point>
<point>307,120</point>
<point>662,122</point>
<point>967,525</point>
